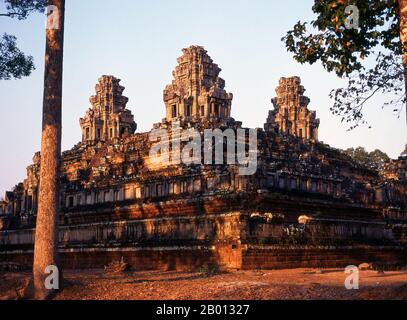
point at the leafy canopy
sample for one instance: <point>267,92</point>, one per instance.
<point>374,160</point>
<point>345,50</point>
<point>20,9</point>
<point>13,62</point>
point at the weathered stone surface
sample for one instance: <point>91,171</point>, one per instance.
<point>108,119</point>
<point>291,115</point>
<point>112,198</point>
<point>197,91</point>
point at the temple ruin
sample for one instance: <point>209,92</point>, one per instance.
<point>197,91</point>
<point>108,118</point>
<point>291,115</point>
<point>308,204</point>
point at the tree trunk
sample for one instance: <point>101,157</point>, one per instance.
<point>46,234</point>
<point>403,40</point>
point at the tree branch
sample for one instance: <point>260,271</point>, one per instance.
<point>11,15</point>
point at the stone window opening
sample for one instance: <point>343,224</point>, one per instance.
<point>87,133</point>
<point>216,109</point>
<point>116,195</point>
<point>97,197</point>
<point>184,187</point>
<point>111,133</point>
<point>202,111</point>
<point>70,202</point>
<point>138,192</point>
<point>174,111</point>
<point>106,196</point>
<point>158,191</point>
<point>188,111</point>
<point>29,203</point>
<point>88,199</point>
<point>128,193</point>
<point>98,133</point>
<point>300,133</point>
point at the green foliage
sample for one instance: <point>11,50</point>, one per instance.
<point>374,160</point>
<point>387,76</point>
<point>20,9</point>
<point>13,62</point>
<point>340,49</point>
<point>344,51</point>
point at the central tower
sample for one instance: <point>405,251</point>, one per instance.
<point>197,92</point>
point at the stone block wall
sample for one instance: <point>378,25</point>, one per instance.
<point>231,241</point>
<point>161,231</point>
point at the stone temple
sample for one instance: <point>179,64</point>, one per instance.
<point>291,114</point>
<point>307,204</point>
<point>108,118</point>
<point>197,91</point>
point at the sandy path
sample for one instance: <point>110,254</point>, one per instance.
<point>263,285</point>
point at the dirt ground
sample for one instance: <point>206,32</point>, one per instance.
<point>294,284</point>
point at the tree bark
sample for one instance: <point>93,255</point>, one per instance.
<point>403,40</point>
<point>46,234</point>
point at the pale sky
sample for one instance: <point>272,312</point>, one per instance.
<point>138,41</point>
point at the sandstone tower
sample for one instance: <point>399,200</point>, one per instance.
<point>108,118</point>
<point>116,203</point>
<point>291,114</point>
<point>197,92</point>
